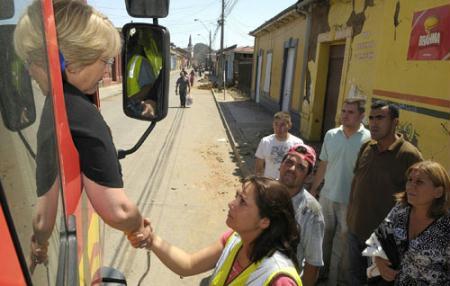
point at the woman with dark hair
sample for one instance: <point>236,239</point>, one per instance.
<point>420,227</point>
<point>260,248</point>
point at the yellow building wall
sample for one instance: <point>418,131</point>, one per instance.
<point>274,41</point>
<point>422,87</point>
<point>358,71</point>
<point>376,67</point>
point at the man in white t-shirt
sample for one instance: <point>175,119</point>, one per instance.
<point>272,148</point>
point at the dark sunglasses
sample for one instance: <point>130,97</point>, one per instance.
<point>301,150</point>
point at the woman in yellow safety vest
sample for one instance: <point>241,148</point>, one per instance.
<point>260,248</point>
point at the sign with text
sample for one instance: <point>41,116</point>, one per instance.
<point>430,34</point>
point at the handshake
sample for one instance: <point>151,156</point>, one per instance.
<point>143,237</point>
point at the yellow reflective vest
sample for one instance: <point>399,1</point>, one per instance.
<point>256,274</point>
<point>153,56</point>
<point>133,68</point>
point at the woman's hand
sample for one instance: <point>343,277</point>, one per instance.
<point>386,271</point>
<point>148,107</point>
<point>142,238</point>
<point>38,253</point>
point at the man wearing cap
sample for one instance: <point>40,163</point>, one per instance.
<point>295,167</point>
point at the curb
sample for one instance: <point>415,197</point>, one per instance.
<point>242,167</point>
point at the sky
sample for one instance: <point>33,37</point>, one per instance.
<point>243,17</point>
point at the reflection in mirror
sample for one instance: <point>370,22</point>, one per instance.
<point>16,97</point>
<point>36,188</point>
<point>144,61</point>
<point>147,8</point>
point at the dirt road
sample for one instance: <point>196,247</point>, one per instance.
<point>182,179</point>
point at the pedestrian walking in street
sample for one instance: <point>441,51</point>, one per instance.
<point>420,227</point>
<point>379,174</point>
<point>259,249</point>
<point>192,78</point>
<point>338,156</point>
<point>272,148</point>
<point>184,87</point>
<point>295,167</point>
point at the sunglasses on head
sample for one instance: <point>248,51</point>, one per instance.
<point>301,150</point>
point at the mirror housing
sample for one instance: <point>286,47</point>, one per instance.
<point>6,9</point>
<point>147,8</point>
<point>146,71</point>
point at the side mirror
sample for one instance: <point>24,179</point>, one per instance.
<point>6,9</point>
<point>147,8</point>
<point>16,93</point>
<point>146,68</point>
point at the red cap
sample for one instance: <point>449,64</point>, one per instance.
<point>305,152</point>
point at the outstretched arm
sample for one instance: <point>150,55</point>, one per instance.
<point>114,207</point>
<point>183,263</point>
<point>43,223</point>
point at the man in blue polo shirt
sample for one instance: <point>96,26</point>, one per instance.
<point>338,156</point>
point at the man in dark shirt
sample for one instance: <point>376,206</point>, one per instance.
<point>379,173</point>
<point>183,86</point>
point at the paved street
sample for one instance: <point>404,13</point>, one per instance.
<point>181,178</point>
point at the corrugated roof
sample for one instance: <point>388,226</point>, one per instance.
<point>244,50</point>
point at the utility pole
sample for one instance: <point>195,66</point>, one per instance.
<point>209,53</point>
<point>222,54</point>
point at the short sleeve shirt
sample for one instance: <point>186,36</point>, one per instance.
<point>272,151</point>
<point>340,153</point>
<point>377,177</point>
<point>93,140</point>
<point>183,83</point>
<point>310,221</point>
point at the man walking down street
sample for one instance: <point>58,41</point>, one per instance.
<point>338,155</point>
<point>379,173</point>
<point>295,167</point>
<point>183,86</point>
<point>272,148</point>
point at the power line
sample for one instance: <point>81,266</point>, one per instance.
<point>195,6</point>
<point>236,20</point>
<point>230,7</point>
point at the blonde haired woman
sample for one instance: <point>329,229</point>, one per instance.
<point>88,43</point>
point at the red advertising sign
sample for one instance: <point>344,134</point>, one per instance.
<point>430,35</point>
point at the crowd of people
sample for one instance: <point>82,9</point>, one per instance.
<point>279,233</point>
<point>368,182</point>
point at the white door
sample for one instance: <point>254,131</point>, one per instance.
<point>288,76</point>
<point>267,74</point>
<point>258,77</point>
